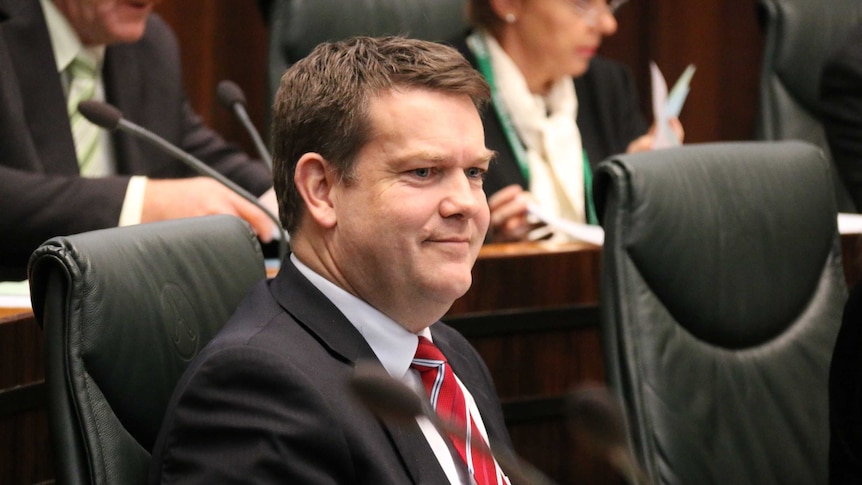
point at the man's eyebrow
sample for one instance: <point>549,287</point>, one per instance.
<point>428,156</point>
<point>489,157</point>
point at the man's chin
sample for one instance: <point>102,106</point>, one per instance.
<point>454,287</point>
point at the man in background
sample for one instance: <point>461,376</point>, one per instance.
<point>379,157</point>
<point>61,175</point>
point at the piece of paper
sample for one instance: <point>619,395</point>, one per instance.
<point>668,105</point>
<point>579,231</point>
<point>15,294</point>
<point>849,223</point>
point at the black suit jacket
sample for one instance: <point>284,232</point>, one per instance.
<point>841,111</point>
<point>845,397</point>
<point>267,401</point>
<point>41,194</point>
<point>609,118</point>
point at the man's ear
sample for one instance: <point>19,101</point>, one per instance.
<point>315,181</point>
<point>504,7</point>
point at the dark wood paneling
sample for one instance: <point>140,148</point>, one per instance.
<point>25,455</point>
<point>721,38</point>
<point>223,39</point>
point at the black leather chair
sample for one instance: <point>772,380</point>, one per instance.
<point>799,37</point>
<point>722,293</point>
<point>123,311</point>
<point>297,26</point>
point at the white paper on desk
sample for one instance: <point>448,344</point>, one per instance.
<point>582,232</point>
<point>666,106</point>
<point>15,294</point>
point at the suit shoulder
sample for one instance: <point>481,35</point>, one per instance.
<point>603,69</point>
<point>158,35</point>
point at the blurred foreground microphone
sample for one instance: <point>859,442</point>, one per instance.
<point>110,118</point>
<point>231,97</point>
<point>598,426</point>
<point>391,399</point>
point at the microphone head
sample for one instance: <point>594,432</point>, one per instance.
<point>386,397</point>
<point>229,94</point>
<point>101,114</point>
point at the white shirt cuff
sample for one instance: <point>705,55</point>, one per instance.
<point>133,204</point>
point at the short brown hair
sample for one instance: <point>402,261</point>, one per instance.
<point>322,101</point>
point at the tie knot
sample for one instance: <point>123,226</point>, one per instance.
<point>427,354</point>
<point>83,66</point>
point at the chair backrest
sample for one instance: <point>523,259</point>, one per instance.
<point>297,26</point>
<point>799,37</point>
<point>722,292</point>
<point>123,311</point>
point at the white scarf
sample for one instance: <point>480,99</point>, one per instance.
<point>547,127</point>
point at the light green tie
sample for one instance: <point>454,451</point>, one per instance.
<point>82,87</point>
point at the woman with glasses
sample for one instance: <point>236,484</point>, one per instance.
<point>557,108</point>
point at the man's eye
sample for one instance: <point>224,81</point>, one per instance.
<point>422,172</point>
<point>475,172</point>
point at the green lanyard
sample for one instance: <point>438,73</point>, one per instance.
<point>588,187</point>
<point>476,43</point>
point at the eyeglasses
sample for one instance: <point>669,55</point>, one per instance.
<point>590,10</point>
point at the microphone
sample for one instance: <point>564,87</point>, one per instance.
<point>110,118</point>
<point>230,95</point>
<point>388,398</point>
<point>598,425</point>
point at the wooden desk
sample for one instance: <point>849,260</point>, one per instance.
<point>24,449</point>
<point>532,312</point>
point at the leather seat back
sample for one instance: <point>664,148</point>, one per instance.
<point>123,311</point>
<point>722,293</point>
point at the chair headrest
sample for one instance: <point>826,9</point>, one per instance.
<point>723,233</point>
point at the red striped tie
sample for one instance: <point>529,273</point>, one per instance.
<point>448,400</point>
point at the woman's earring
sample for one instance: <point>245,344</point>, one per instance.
<point>510,18</point>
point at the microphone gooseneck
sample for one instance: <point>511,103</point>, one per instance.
<point>230,95</point>
<point>110,118</point>
<point>390,399</point>
<point>598,426</point>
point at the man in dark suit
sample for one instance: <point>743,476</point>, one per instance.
<point>43,192</point>
<point>379,157</point>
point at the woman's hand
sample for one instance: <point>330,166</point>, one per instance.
<point>646,142</point>
<point>509,215</point>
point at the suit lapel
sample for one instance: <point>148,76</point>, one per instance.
<point>124,80</point>
<point>416,453</point>
<point>311,309</point>
<point>42,95</point>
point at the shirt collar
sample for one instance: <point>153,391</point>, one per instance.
<point>393,344</point>
<point>64,40</point>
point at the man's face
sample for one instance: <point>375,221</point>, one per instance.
<point>410,226</point>
<point>107,21</point>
